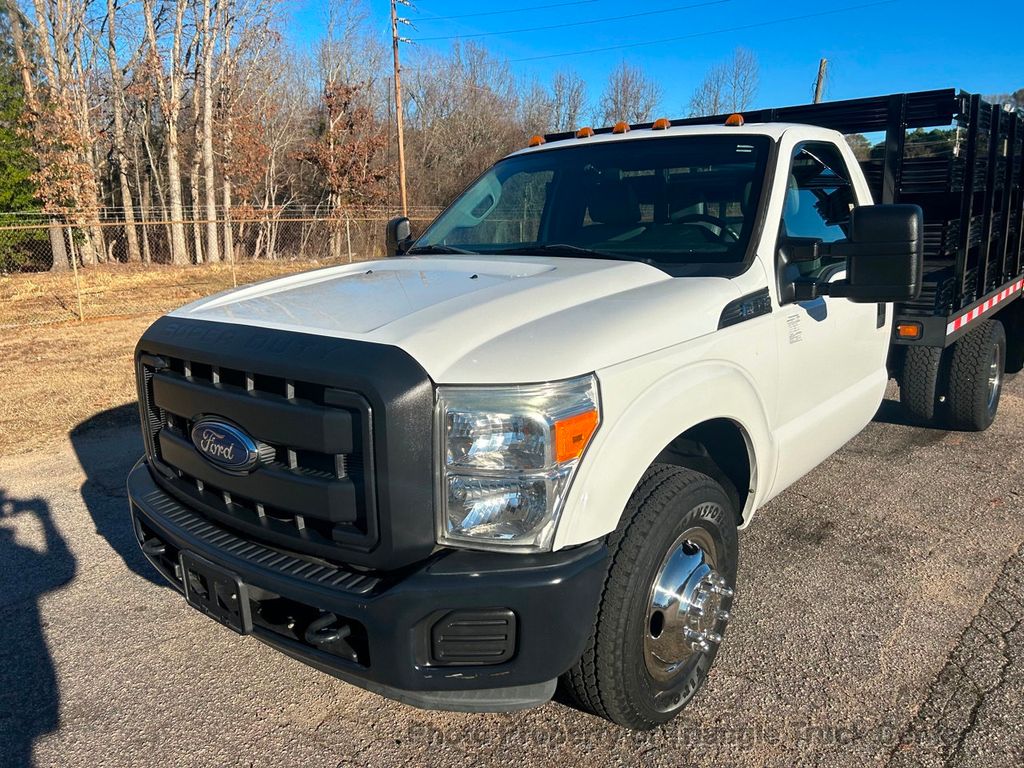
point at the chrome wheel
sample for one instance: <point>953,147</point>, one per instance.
<point>685,616</point>
<point>995,376</point>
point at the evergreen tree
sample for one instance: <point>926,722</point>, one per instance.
<point>17,190</point>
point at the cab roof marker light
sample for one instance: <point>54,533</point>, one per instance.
<point>621,127</point>
<point>585,132</point>
<point>536,141</point>
<point>661,124</point>
<point>734,120</point>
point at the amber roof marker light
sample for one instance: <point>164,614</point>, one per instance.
<point>585,132</point>
<point>661,124</point>
<point>734,120</point>
<point>621,127</point>
<point>536,141</point>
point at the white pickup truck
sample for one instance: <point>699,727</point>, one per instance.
<point>519,452</point>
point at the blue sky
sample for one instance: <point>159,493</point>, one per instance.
<point>895,46</point>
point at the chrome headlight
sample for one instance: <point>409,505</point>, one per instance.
<point>508,455</point>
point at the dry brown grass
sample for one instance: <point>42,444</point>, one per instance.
<point>119,289</point>
<point>54,376</point>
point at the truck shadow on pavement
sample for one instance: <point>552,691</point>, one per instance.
<point>29,693</point>
<point>107,445</point>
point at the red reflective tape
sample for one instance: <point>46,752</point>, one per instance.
<point>984,307</point>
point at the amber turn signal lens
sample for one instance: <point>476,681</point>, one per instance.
<point>621,127</point>
<point>535,141</point>
<point>909,331</point>
<point>585,132</point>
<point>572,435</point>
<point>661,124</point>
<point>734,120</point>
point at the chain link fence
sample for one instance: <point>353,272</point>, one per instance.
<point>55,270</point>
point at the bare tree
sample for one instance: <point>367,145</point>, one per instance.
<point>727,87</point>
<point>209,29</point>
<point>461,119</point>
<point>120,145</point>
<point>569,97</point>
<point>170,85</point>
<point>629,95</point>
<point>557,107</point>
<point>197,157</point>
<point>64,136</point>
<point>1013,100</point>
<point>537,108</point>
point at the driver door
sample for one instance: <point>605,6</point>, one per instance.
<point>832,352</point>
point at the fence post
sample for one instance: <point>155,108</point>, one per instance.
<point>348,237</point>
<point>74,271</point>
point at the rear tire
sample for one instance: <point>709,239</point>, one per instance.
<point>648,655</point>
<point>919,382</point>
<point>976,377</point>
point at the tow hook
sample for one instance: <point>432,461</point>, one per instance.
<point>154,547</point>
<point>327,630</point>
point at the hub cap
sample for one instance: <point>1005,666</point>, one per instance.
<point>685,617</point>
<point>995,376</point>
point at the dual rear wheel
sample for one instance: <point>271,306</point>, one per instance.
<point>958,387</point>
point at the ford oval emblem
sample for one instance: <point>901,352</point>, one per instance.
<point>225,445</point>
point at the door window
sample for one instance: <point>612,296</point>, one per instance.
<point>819,196</point>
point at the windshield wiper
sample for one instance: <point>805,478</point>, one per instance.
<point>438,249</point>
<point>563,249</point>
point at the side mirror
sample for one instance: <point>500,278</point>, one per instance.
<point>398,237</point>
<point>884,255</point>
<point>884,258</point>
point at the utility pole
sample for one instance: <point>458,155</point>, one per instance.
<point>819,86</point>
<point>395,40</point>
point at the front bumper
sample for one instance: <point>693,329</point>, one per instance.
<point>392,618</point>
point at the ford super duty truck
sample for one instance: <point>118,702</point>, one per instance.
<point>519,452</point>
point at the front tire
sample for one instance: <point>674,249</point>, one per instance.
<point>666,601</point>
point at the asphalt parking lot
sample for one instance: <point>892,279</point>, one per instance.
<point>878,622</point>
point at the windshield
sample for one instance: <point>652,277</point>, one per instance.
<point>686,204</point>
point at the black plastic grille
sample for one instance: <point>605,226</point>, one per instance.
<point>312,490</point>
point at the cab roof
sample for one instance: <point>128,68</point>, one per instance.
<point>602,135</point>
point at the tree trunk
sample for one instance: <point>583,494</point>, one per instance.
<point>117,81</point>
<point>144,197</point>
<point>225,106</point>
<point>89,197</point>
<point>170,102</point>
<point>193,176</point>
<point>209,43</point>
<point>197,227</point>
<point>229,240</point>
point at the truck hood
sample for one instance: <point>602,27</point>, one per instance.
<point>479,319</point>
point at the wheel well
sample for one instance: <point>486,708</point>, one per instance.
<point>718,448</point>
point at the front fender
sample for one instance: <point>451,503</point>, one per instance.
<point>646,404</point>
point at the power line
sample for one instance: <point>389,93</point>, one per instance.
<point>512,10</point>
<point>574,23</point>
<point>739,28</point>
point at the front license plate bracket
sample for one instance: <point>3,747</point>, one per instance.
<point>217,592</point>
